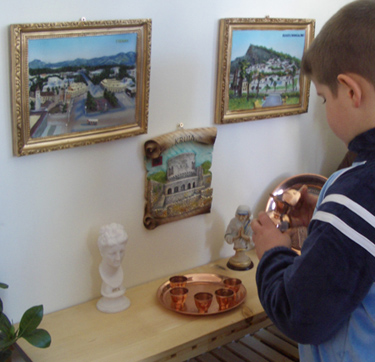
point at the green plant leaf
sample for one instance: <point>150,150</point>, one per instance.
<point>5,325</point>
<point>38,338</point>
<point>31,320</point>
<point>7,340</point>
<point>5,344</point>
<point>3,286</point>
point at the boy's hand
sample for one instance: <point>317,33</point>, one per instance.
<point>302,212</point>
<point>266,236</point>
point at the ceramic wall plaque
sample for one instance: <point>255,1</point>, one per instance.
<point>178,180</point>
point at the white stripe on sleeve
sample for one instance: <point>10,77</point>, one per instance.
<point>353,206</point>
<point>346,230</point>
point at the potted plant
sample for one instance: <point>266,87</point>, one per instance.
<point>27,329</point>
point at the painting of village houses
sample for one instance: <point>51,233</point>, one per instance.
<point>81,83</point>
<point>178,179</point>
<point>259,68</point>
<point>265,68</point>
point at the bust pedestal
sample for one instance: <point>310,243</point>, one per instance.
<point>113,305</point>
<point>113,299</point>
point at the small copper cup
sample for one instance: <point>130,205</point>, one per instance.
<point>203,301</point>
<point>178,281</point>
<point>178,296</point>
<point>233,283</point>
<point>225,298</point>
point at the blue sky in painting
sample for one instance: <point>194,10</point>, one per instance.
<point>86,47</point>
<point>291,42</point>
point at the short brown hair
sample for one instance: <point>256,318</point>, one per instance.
<point>346,44</point>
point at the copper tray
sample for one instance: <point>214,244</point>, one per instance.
<point>196,283</point>
<point>312,181</point>
<point>314,184</point>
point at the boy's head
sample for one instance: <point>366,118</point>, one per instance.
<point>346,44</point>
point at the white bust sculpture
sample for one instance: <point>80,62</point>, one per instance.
<point>111,242</point>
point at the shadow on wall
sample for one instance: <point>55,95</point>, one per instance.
<point>324,150</point>
<point>96,258</point>
<point>215,229</point>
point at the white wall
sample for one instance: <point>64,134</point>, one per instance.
<point>53,204</point>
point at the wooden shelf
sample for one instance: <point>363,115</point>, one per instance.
<point>268,344</point>
<point>147,331</point>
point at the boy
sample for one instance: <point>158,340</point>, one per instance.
<point>325,298</point>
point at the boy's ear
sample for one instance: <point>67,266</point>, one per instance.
<point>352,87</point>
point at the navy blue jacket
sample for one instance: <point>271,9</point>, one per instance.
<point>311,296</point>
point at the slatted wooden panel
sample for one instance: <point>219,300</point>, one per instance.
<point>266,345</point>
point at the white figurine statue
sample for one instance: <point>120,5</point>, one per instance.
<point>239,233</point>
<point>111,242</point>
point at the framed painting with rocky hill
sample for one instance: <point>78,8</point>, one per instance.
<point>78,83</point>
<point>259,65</point>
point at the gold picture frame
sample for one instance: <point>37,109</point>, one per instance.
<point>257,58</point>
<point>78,83</point>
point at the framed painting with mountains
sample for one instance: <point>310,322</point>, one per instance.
<point>78,83</point>
<point>259,65</point>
